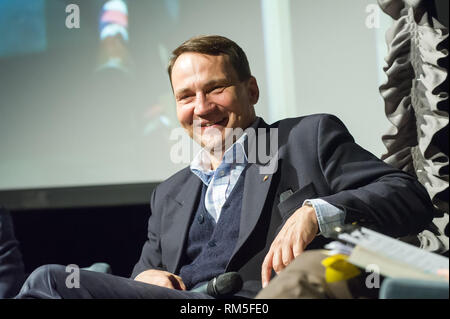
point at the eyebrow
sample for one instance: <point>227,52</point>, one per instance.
<point>182,92</point>
<point>208,85</point>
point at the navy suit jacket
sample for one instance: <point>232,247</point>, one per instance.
<point>317,158</point>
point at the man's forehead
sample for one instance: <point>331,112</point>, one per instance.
<point>190,65</point>
<point>194,60</point>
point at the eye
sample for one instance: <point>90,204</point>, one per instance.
<point>185,97</point>
<point>217,89</point>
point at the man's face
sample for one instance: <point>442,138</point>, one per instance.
<point>210,98</point>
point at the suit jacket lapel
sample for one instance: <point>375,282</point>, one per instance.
<point>186,201</point>
<point>256,186</point>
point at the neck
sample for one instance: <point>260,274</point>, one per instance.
<point>216,156</point>
<point>215,159</point>
<point>214,163</point>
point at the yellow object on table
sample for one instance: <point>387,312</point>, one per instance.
<point>337,268</point>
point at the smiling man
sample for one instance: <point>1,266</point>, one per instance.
<point>224,214</point>
<point>213,98</point>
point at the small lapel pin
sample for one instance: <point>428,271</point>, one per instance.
<point>265,178</point>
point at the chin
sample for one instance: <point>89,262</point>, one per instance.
<point>217,146</point>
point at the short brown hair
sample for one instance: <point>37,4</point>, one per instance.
<point>214,45</point>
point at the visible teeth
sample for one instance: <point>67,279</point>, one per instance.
<point>211,124</point>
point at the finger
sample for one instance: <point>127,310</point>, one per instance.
<point>277,262</point>
<point>286,254</point>
<point>165,282</point>
<point>266,269</point>
<point>180,281</point>
<point>298,246</point>
<point>176,283</point>
<point>286,249</point>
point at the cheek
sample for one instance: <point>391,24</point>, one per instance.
<point>233,102</point>
<point>226,101</point>
<point>185,115</point>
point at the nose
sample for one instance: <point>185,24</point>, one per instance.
<point>202,105</point>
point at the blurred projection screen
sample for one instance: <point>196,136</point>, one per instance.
<point>93,105</point>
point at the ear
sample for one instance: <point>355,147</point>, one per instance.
<point>253,90</point>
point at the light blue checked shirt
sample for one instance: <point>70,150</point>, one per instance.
<point>220,183</point>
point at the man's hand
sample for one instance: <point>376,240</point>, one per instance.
<point>161,278</point>
<point>298,231</point>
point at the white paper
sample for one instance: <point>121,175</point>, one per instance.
<point>396,250</point>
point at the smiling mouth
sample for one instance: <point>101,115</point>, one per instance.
<point>222,122</point>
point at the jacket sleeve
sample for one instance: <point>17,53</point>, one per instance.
<point>151,251</point>
<point>371,192</point>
